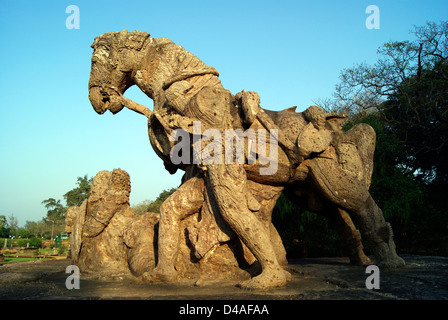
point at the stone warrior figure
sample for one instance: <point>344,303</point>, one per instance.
<point>319,166</point>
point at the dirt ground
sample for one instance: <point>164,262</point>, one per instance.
<point>423,278</point>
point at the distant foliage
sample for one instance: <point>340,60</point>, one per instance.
<point>153,205</point>
<point>76,196</point>
<point>304,234</point>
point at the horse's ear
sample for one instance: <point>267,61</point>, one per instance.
<point>123,34</point>
<point>123,37</point>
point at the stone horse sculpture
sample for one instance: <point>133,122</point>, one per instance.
<point>318,165</point>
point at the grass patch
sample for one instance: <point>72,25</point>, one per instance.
<point>14,259</point>
<point>30,256</point>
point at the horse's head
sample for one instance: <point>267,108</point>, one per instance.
<point>114,59</point>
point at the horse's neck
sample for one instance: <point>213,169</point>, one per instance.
<point>166,63</point>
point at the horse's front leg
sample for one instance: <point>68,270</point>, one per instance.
<point>227,185</point>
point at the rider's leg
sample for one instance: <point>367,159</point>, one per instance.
<point>187,200</point>
<point>267,196</point>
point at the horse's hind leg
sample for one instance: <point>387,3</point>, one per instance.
<point>369,218</point>
<point>338,219</point>
<point>350,237</point>
<point>348,190</point>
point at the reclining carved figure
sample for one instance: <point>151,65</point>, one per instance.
<point>107,238</point>
<point>320,166</point>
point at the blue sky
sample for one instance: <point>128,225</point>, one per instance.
<point>290,52</point>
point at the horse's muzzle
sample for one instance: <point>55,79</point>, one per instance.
<point>102,100</point>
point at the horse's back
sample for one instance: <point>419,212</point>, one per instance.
<point>290,122</point>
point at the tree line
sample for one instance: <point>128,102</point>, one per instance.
<point>53,223</point>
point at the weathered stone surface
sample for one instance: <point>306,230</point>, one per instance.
<point>97,245</point>
<point>310,158</point>
<point>108,240</point>
<point>138,236</point>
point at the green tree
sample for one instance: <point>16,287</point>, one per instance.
<point>417,114</point>
<point>155,205</point>
<point>23,233</point>
<point>36,228</point>
<point>304,234</point>
<point>76,196</point>
<point>53,223</point>
<point>2,221</point>
<point>4,230</point>
<point>35,242</point>
<point>13,224</point>
<point>408,87</point>
<point>142,207</point>
<point>54,220</point>
<point>55,209</point>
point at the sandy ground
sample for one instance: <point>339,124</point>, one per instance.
<point>423,278</point>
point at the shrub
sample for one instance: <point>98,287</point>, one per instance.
<point>61,249</point>
<point>22,242</point>
<point>35,242</point>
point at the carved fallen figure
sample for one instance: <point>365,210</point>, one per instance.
<point>221,214</point>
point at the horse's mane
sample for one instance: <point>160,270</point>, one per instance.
<point>135,40</point>
<point>183,64</point>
